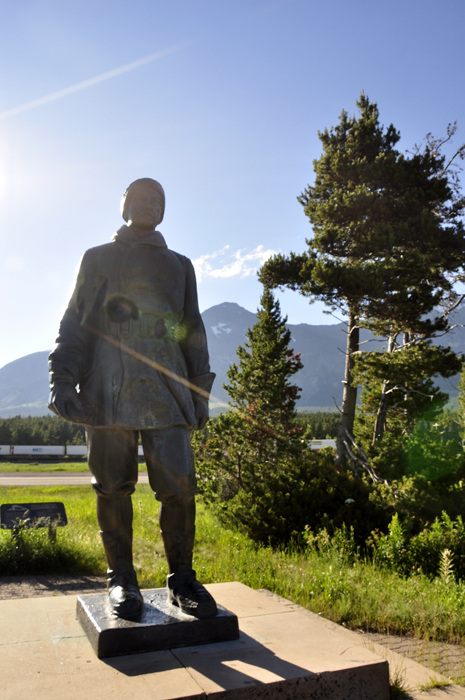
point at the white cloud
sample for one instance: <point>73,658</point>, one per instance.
<point>229,264</point>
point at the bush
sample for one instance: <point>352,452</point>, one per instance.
<point>423,552</point>
<point>419,501</point>
<point>281,497</point>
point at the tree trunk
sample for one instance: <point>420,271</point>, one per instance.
<point>381,416</point>
<point>349,397</point>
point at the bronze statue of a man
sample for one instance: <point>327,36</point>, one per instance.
<point>133,339</point>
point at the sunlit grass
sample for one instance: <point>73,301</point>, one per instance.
<point>74,467</point>
<point>358,595</point>
<point>10,467</point>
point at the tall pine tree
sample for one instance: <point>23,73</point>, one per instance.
<point>381,250</point>
<point>247,462</point>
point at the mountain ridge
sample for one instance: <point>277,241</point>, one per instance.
<point>24,382</point>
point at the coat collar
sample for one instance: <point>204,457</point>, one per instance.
<point>129,237</point>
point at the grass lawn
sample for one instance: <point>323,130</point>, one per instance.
<point>50,467</point>
<point>355,594</point>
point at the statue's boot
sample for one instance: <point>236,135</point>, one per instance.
<point>124,595</point>
<point>177,524</point>
<point>189,595</point>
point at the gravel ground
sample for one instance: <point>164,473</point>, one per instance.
<point>33,586</point>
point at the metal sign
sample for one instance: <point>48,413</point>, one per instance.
<point>32,515</point>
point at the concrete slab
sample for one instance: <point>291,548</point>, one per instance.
<point>283,652</point>
<point>288,648</point>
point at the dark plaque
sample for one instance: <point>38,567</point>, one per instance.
<point>32,515</point>
<point>161,626</point>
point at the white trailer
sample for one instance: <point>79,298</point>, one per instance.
<point>76,450</point>
<point>38,450</point>
<point>319,444</point>
<point>5,450</point>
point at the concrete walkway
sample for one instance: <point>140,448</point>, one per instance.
<point>284,652</point>
<point>408,656</point>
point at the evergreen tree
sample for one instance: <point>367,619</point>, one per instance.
<point>320,425</point>
<point>40,430</point>
<point>413,398</point>
<point>259,383</point>
<point>384,241</point>
<point>247,461</point>
<point>254,463</point>
<point>461,401</point>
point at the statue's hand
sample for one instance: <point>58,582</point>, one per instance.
<point>201,414</point>
<point>65,402</point>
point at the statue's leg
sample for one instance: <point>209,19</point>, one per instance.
<point>112,458</point>
<point>171,471</point>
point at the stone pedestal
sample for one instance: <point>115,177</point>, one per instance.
<point>161,626</point>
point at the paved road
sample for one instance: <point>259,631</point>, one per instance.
<point>51,478</point>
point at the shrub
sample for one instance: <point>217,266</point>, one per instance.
<point>424,552</point>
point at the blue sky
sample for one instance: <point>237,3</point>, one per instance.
<point>222,106</point>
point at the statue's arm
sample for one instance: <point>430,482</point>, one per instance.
<point>195,350</point>
<point>68,360</point>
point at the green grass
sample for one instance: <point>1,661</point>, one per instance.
<point>77,549</point>
<point>50,467</point>
<point>358,595</point>
<point>397,683</point>
<point>434,683</point>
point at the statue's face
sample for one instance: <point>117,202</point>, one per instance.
<point>145,209</point>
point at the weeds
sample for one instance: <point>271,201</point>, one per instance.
<point>74,467</point>
<point>37,550</point>
<point>446,566</point>
<point>330,577</point>
<point>397,683</point>
<point>434,683</point>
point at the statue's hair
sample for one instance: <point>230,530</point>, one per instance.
<point>146,182</point>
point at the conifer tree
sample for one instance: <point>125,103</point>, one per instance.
<point>384,241</point>
<point>251,450</point>
<point>259,383</point>
<point>461,402</point>
<point>404,377</point>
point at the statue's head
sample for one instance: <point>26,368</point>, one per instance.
<point>143,203</point>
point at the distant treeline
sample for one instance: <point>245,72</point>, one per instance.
<point>40,430</point>
<point>51,430</point>
<point>324,425</point>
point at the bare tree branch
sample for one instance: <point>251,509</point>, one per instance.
<point>362,459</point>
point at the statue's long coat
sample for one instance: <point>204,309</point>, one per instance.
<point>127,369</point>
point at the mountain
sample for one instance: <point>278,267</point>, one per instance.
<point>24,386</point>
<point>320,379</point>
<point>24,382</point>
